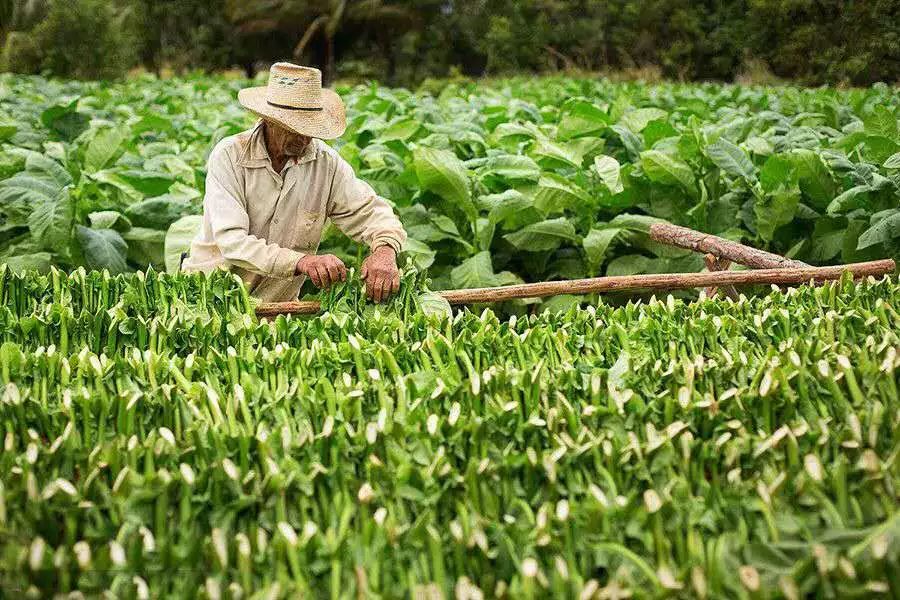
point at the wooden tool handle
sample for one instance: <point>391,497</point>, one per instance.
<point>628,283</point>
<point>706,243</point>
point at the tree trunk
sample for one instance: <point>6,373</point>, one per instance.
<point>328,72</point>
<point>249,69</point>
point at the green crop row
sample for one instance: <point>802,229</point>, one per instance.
<point>159,441</point>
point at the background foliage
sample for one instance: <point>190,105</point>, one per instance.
<point>405,41</point>
<point>517,179</point>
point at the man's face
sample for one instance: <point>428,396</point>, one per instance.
<point>288,142</point>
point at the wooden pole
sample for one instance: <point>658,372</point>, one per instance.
<point>706,243</point>
<point>628,283</point>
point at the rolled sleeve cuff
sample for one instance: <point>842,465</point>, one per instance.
<point>387,240</point>
<point>286,263</point>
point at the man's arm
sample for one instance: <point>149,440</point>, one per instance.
<point>359,212</point>
<point>231,224</point>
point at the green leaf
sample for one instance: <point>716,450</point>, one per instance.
<point>65,120</point>
<point>776,172</point>
<point>178,239</point>
<point>51,221</point>
<point>545,235</point>
<point>102,249</point>
<point>109,219</point>
<point>637,120</point>
<point>402,129</point>
<point>39,261</point>
<point>434,305</point>
<point>553,155</point>
<point>146,246</point>
<point>477,272</point>
<point>607,168</point>
<point>849,200</point>
<point>419,252</point>
<point>512,167</point>
<point>556,193</point>
<point>442,173</point>
<point>881,122</point>
<point>827,239</point>
<point>158,213</point>
<point>667,169</point>
<point>893,162</point>
<point>104,148</point>
<point>732,160</point>
<point>816,181</point>
<point>597,242</point>
<point>774,210</point>
<point>580,118</point>
<point>630,264</point>
<point>885,228</point>
<point>8,127</point>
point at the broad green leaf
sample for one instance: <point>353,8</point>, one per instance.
<point>104,148</point>
<point>8,127</point>
<point>442,173</point>
<point>51,221</point>
<point>556,194</point>
<point>630,264</point>
<point>885,227</point>
<point>881,122</point>
<point>580,118</point>
<point>827,240</point>
<point>109,219</point>
<point>178,240</point>
<point>732,160</point>
<point>561,303</point>
<point>146,246</point>
<point>39,261</point>
<point>545,235</point>
<point>402,129</point>
<point>552,155</point>
<point>158,213</point>
<point>893,162</point>
<point>777,171</point>
<point>774,210</point>
<point>849,200</point>
<point>637,120</point>
<point>667,169</point>
<point>102,249</point>
<point>512,168</point>
<point>435,305</point>
<point>419,252</point>
<point>607,168</point>
<point>597,242</point>
<point>477,272</point>
<point>816,181</point>
<point>65,120</point>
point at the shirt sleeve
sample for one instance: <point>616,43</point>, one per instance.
<point>359,212</point>
<point>230,224</point>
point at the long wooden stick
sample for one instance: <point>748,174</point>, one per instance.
<point>706,243</point>
<point>628,283</point>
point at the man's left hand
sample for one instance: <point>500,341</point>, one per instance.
<point>380,273</point>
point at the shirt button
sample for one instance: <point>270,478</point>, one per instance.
<point>276,221</point>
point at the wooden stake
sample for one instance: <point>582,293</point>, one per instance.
<point>706,243</point>
<point>628,283</point>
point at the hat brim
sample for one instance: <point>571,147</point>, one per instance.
<point>326,124</point>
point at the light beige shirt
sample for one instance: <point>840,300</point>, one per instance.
<point>259,223</point>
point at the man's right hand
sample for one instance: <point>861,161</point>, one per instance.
<point>323,270</point>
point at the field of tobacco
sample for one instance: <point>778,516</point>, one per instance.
<point>160,441</point>
<point>497,182</point>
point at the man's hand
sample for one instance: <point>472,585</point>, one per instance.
<point>324,270</point>
<point>380,273</point>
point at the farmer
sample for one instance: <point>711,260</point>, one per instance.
<point>270,190</point>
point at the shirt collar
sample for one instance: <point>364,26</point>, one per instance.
<point>256,155</point>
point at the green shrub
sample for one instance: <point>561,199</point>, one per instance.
<point>78,38</point>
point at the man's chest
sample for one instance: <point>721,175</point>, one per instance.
<point>289,210</point>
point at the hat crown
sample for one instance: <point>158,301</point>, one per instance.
<point>294,86</point>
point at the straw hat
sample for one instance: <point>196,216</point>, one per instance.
<point>294,99</point>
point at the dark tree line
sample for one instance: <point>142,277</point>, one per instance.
<point>405,41</point>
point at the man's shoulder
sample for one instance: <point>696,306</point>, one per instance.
<point>232,147</point>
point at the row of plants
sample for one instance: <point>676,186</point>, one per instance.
<point>160,441</point>
<point>499,182</point>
